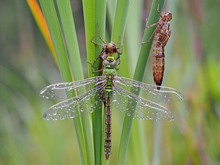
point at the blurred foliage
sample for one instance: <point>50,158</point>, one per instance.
<point>192,66</point>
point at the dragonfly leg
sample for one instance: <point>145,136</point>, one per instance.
<point>150,26</point>
<point>149,37</point>
<point>95,43</point>
<point>158,10</point>
<point>102,40</point>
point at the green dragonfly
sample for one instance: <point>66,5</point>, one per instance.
<point>113,91</point>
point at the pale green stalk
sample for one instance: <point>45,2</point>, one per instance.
<point>138,75</point>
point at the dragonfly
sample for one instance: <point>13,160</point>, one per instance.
<point>162,35</point>
<point>113,91</point>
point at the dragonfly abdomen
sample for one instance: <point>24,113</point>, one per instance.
<point>108,129</point>
<point>158,62</point>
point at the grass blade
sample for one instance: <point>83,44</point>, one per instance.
<point>39,18</point>
<point>51,17</point>
<point>120,19</point>
<point>95,18</point>
<point>89,21</point>
<point>138,75</point>
<point>69,31</point>
<point>138,144</point>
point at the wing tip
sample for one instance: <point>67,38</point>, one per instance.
<point>45,116</point>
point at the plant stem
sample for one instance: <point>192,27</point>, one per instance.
<point>100,21</point>
<point>51,17</point>
<point>138,75</point>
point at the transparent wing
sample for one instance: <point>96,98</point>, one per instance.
<point>136,106</point>
<point>59,90</point>
<point>74,107</point>
<point>149,91</point>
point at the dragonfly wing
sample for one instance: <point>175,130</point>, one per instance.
<point>74,107</point>
<point>149,91</point>
<point>60,90</point>
<point>136,106</point>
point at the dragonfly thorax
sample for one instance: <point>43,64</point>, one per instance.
<point>109,65</point>
<point>109,71</point>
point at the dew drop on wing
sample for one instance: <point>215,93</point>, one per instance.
<point>128,114</point>
<point>130,102</point>
<point>171,119</point>
<point>45,116</point>
<point>150,92</point>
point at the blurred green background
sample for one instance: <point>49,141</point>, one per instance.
<point>192,67</point>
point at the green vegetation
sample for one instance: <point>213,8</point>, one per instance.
<point>192,67</point>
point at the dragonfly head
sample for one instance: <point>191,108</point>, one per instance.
<point>167,16</point>
<point>111,48</point>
